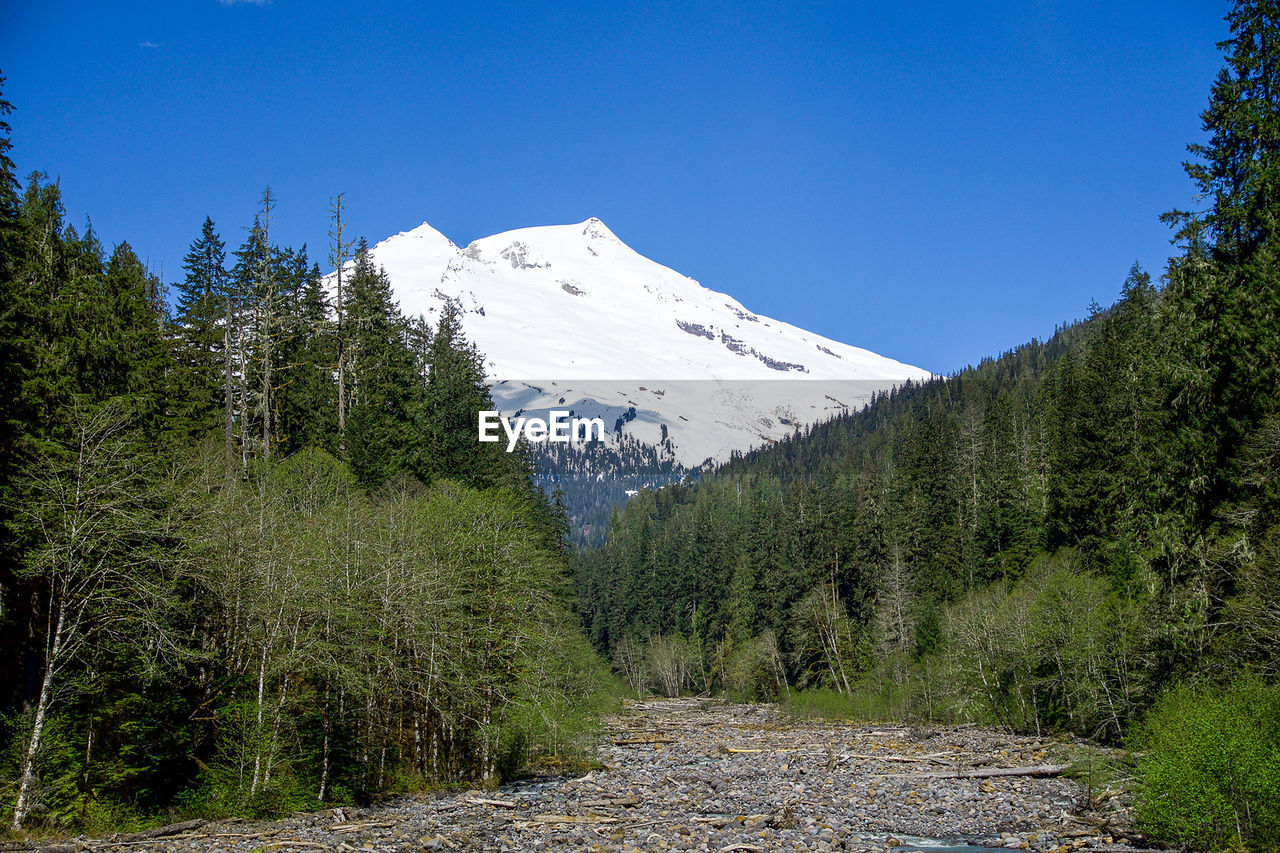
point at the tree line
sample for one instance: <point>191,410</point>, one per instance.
<point>1050,540</point>
<point>592,478</point>
<point>859,542</point>
<point>252,556</point>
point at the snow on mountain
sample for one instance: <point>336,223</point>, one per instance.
<point>570,317</point>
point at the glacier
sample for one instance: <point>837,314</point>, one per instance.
<point>570,317</point>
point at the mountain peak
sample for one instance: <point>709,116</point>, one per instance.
<point>563,305</point>
<point>573,301</point>
<point>595,229</point>
<point>427,232</point>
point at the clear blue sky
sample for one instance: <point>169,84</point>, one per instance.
<point>936,181</point>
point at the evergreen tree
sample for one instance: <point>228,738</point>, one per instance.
<point>12,298</point>
<point>1224,294</point>
<point>89,510</point>
<point>78,312</point>
<point>133,337</point>
<point>386,385</point>
<point>16,411</point>
<point>257,638</point>
<point>8,172</point>
<point>199,394</point>
<point>1239,167</point>
<point>307,398</point>
<point>269,328</point>
<point>455,395</point>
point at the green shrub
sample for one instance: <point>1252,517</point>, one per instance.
<point>871,702</point>
<point>1210,767</point>
<point>752,670</point>
<point>820,702</point>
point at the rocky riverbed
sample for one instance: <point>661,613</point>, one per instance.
<point>701,775</point>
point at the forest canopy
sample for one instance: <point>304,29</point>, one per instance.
<point>1054,539</point>
<point>252,557</point>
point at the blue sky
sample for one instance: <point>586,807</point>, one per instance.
<point>937,182</point>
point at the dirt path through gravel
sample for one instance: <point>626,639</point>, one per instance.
<point>695,774</point>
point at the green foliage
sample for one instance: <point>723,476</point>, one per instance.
<point>200,338</point>
<point>454,395</point>
<point>867,702</point>
<point>226,786</point>
<point>822,703</point>
<point>1211,767</point>
<point>386,380</point>
<point>751,670</point>
<point>252,558</point>
<point>442,598</point>
<point>1100,773</point>
<point>1057,648</point>
<point>1041,541</point>
<point>210,609</point>
<point>307,401</point>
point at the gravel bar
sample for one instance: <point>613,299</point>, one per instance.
<point>703,775</point>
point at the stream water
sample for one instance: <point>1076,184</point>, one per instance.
<point>927,845</point>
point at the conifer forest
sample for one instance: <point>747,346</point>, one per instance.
<point>1061,538</point>
<point>253,556</point>
<point>254,560</point>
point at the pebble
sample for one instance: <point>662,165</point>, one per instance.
<point>737,777</point>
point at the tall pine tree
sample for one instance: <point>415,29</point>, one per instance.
<point>385,381</point>
<point>1224,294</point>
<point>455,395</point>
<point>306,398</point>
<point>198,393</point>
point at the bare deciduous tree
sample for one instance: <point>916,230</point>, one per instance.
<point>88,509</point>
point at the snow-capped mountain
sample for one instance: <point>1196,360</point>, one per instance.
<point>570,317</point>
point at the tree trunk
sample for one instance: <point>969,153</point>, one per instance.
<point>227,397</point>
<point>266,390</point>
<point>338,257</point>
<point>243,399</point>
<point>995,772</point>
<point>27,776</point>
<point>324,750</point>
<point>266,322</point>
<point>257,731</point>
<point>324,712</point>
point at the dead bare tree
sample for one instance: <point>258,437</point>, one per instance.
<point>87,505</point>
<point>339,252</point>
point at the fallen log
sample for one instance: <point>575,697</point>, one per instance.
<point>573,818</point>
<point>993,772</point>
<point>485,801</point>
<point>357,826</point>
<point>936,758</point>
<point>640,741</point>
<point>161,831</point>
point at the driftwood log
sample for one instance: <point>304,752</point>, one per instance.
<point>161,831</point>
<point>993,772</point>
